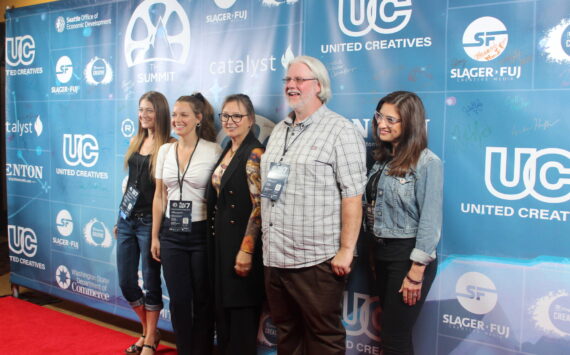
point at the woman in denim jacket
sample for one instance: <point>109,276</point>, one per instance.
<point>403,215</point>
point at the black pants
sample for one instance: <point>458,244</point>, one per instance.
<point>184,262</point>
<point>237,330</point>
<point>397,319</point>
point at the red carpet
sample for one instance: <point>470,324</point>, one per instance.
<point>28,329</point>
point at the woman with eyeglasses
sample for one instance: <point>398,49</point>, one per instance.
<point>234,218</point>
<point>403,203</point>
<point>179,222</point>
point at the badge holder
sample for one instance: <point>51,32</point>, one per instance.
<point>128,203</point>
<point>276,180</point>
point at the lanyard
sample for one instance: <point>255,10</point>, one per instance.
<point>372,188</point>
<point>181,180</point>
<point>287,146</point>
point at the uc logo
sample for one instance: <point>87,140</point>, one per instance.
<point>80,149</point>
<point>363,18</point>
<point>20,50</point>
<point>546,170</point>
<point>22,241</point>
<point>363,317</point>
<point>157,33</point>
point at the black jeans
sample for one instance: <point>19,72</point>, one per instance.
<point>397,319</point>
<point>184,262</point>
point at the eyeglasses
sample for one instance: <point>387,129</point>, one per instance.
<point>297,80</point>
<point>389,119</point>
<point>236,117</point>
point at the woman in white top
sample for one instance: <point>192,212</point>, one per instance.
<point>179,238</point>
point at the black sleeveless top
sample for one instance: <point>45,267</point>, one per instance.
<point>139,177</point>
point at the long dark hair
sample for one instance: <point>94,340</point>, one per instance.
<point>413,139</point>
<point>161,129</point>
<point>200,106</point>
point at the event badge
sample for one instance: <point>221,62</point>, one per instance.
<point>276,179</point>
<point>129,200</point>
<point>180,216</point>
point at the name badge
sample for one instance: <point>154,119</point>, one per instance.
<point>180,216</point>
<point>276,179</point>
<point>128,203</point>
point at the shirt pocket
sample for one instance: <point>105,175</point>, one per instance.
<point>400,202</point>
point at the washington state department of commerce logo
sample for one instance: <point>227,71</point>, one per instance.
<point>97,234</point>
<point>356,18</point>
<point>64,223</point>
<point>162,39</point>
<point>476,293</point>
<point>60,24</point>
<point>98,72</point>
<point>63,277</point>
<point>485,39</point>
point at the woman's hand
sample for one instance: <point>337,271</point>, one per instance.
<point>411,289</point>
<point>115,231</point>
<point>155,249</point>
<point>243,263</point>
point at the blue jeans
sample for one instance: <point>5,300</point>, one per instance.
<point>133,244</point>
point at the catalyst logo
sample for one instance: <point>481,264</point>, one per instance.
<point>166,39</point>
<point>485,39</point>
<point>476,293</point>
<point>543,174</point>
<point>98,72</point>
<point>19,128</point>
<point>356,18</point>
<point>63,277</point>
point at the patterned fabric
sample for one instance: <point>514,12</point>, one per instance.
<point>327,159</point>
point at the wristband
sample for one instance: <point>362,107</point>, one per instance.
<point>246,251</point>
<point>414,282</point>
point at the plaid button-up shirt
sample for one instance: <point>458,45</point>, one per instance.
<point>327,160</point>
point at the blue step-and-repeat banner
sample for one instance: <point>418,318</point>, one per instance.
<point>494,76</point>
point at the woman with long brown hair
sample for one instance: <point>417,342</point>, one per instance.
<point>403,215</point>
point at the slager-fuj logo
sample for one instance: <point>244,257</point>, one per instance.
<point>80,149</point>
<point>158,31</point>
<point>98,72</point>
<point>64,74</point>
<point>64,226</point>
<point>476,293</point>
<point>224,4</point>
<point>20,53</point>
<point>63,277</point>
<point>357,18</point>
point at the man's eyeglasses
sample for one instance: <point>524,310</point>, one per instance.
<point>297,80</point>
<point>236,117</point>
<point>389,119</point>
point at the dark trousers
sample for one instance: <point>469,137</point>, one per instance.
<point>397,319</point>
<point>237,330</point>
<point>184,262</point>
<point>306,307</point>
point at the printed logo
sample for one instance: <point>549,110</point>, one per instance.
<point>161,42</point>
<point>381,16</point>
<point>476,293</point>
<point>60,24</point>
<point>64,223</point>
<point>20,50</point>
<point>556,43</point>
<point>127,128</point>
<point>485,39</point>
<point>98,71</point>
<point>272,3</point>
<point>551,313</point>
<point>364,316</point>
<point>547,168</point>
<point>224,4</point>
<point>267,332</point>
<point>80,149</point>
<point>22,240</point>
<point>63,277</point>
<point>97,234</point>
<point>20,128</point>
<point>64,69</point>
<point>287,57</point>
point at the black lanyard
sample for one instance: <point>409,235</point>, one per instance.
<point>372,188</point>
<point>287,146</point>
<point>181,180</point>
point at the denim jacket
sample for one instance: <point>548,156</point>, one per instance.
<point>411,206</point>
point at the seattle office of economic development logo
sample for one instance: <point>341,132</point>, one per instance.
<point>98,72</point>
<point>60,24</point>
<point>485,39</point>
<point>356,18</point>
<point>20,55</point>
<point>166,39</point>
<point>97,234</point>
<point>551,313</point>
<point>23,243</point>
<point>63,277</point>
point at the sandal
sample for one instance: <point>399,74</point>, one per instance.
<point>134,349</point>
<point>150,347</point>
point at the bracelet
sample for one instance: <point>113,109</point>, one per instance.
<point>412,281</point>
<point>246,251</point>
